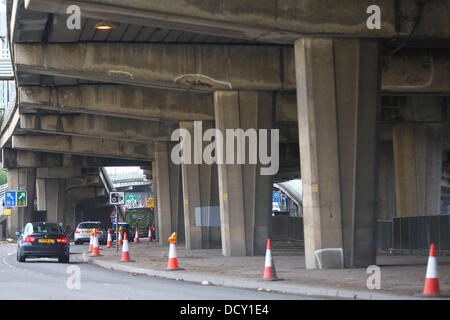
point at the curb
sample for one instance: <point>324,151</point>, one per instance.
<point>250,284</point>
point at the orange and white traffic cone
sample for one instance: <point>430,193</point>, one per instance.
<point>270,273</point>
<point>173,261</point>
<point>95,247</point>
<point>150,238</point>
<point>432,278</point>
<point>125,250</point>
<point>109,240</point>
<point>119,241</point>
<point>91,242</point>
<point>136,236</point>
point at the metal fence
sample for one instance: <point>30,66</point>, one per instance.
<point>404,236</point>
<point>384,235</point>
<point>414,235</point>
<point>287,228</point>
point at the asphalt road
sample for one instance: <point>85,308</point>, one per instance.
<point>47,279</point>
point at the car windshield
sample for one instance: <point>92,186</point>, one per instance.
<point>88,226</point>
<point>49,228</point>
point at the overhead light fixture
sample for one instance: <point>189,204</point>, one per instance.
<point>104,26</point>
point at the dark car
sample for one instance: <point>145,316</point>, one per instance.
<point>43,239</point>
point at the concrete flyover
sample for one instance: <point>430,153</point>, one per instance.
<point>362,113</point>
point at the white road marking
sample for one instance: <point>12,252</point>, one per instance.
<point>6,263</point>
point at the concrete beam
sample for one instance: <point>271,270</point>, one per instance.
<point>83,181</point>
<point>8,128</point>
<point>94,126</point>
<point>57,173</point>
<point>266,20</point>
<point>416,70</point>
<point>32,159</point>
<point>164,65</point>
<point>77,194</point>
<point>84,146</point>
<point>133,130</point>
<point>119,101</point>
<point>135,103</point>
<point>218,67</point>
<point>26,25</point>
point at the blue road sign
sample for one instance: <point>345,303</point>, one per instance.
<point>10,199</point>
<point>276,196</point>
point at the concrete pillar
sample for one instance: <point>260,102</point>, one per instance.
<point>386,185</point>
<point>245,194</point>
<point>169,194</point>
<point>418,168</point>
<point>50,194</point>
<point>21,179</point>
<point>200,192</point>
<point>338,83</point>
<point>418,149</point>
<point>70,220</point>
<point>155,195</point>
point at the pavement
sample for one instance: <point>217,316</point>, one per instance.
<point>402,277</point>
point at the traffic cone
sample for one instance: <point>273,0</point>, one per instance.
<point>91,242</point>
<point>150,238</point>
<point>95,247</point>
<point>109,241</point>
<point>120,242</point>
<point>173,261</point>
<point>432,278</point>
<point>270,273</point>
<point>136,236</point>
<point>125,250</point>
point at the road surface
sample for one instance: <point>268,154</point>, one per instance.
<point>47,279</point>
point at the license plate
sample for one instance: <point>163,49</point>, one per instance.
<point>86,232</point>
<point>46,241</point>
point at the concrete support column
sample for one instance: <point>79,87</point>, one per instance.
<point>245,194</point>
<point>70,220</point>
<point>338,82</point>
<point>169,194</point>
<point>386,186</point>
<point>418,145</point>
<point>200,192</point>
<point>50,194</point>
<point>21,179</point>
<point>155,196</point>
